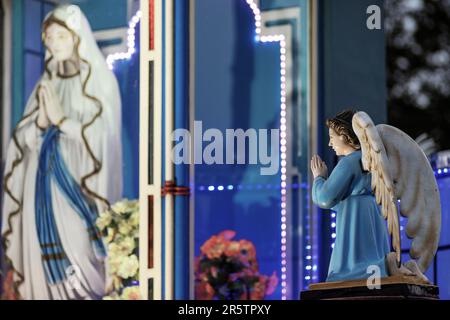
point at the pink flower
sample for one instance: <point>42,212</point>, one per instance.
<point>272,283</point>
<point>213,247</point>
<point>259,289</point>
<point>203,276</point>
<point>239,256</point>
<point>248,254</point>
<point>214,272</point>
<point>247,249</point>
<point>197,264</point>
<point>227,234</point>
<point>246,273</point>
<point>234,276</point>
<point>131,293</point>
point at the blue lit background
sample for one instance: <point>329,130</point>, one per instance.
<point>245,95</point>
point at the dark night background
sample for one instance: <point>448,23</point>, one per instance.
<point>418,68</point>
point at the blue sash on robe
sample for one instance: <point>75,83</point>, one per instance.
<point>52,168</point>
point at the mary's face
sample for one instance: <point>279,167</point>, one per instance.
<point>338,143</point>
<point>60,42</point>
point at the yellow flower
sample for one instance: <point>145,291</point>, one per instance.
<point>134,205</point>
<point>135,233</point>
<point>104,220</point>
<point>125,228</point>
<point>114,264</point>
<point>114,250</point>
<point>131,293</point>
<point>134,219</point>
<point>121,207</point>
<point>117,283</point>
<point>110,236</point>
<point>127,245</point>
<point>113,295</point>
<point>129,267</point>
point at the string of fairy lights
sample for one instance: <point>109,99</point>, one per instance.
<point>442,172</point>
<point>333,228</point>
<point>283,135</point>
<point>131,42</point>
<point>233,187</point>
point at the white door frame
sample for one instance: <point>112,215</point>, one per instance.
<point>146,189</point>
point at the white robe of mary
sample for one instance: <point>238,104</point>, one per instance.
<point>90,146</point>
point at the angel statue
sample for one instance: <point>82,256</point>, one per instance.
<point>63,168</point>
<point>380,171</point>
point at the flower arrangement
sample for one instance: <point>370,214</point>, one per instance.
<point>121,227</point>
<point>228,270</point>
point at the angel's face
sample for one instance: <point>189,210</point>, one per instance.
<point>338,144</point>
<point>59,41</point>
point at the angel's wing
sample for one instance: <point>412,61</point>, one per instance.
<point>375,160</point>
<point>400,170</point>
<point>415,185</point>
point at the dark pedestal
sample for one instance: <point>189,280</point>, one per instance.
<point>392,288</point>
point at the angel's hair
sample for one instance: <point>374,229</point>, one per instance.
<point>342,124</point>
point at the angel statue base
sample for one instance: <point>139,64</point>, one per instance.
<point>381,170</point>
<point>389,288</point>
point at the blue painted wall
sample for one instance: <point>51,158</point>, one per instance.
<point>351,75</point>
<point>278,4</point>
<point>127,73</point>
<point>181,120</point>
<point>104,14</point>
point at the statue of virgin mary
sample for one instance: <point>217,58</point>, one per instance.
<point>63,168</point>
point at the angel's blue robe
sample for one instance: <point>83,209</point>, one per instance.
<point>361,233</point>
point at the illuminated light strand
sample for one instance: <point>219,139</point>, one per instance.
<point>442,172</point>
<point>131,43</point>
<point>261,187</point>
<point>333,228</point>
<point>283,135</point>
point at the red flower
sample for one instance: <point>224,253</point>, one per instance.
<point>203,291</point>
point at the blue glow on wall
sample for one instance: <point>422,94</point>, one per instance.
<point>237,86</point>
<point>127,73</point>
